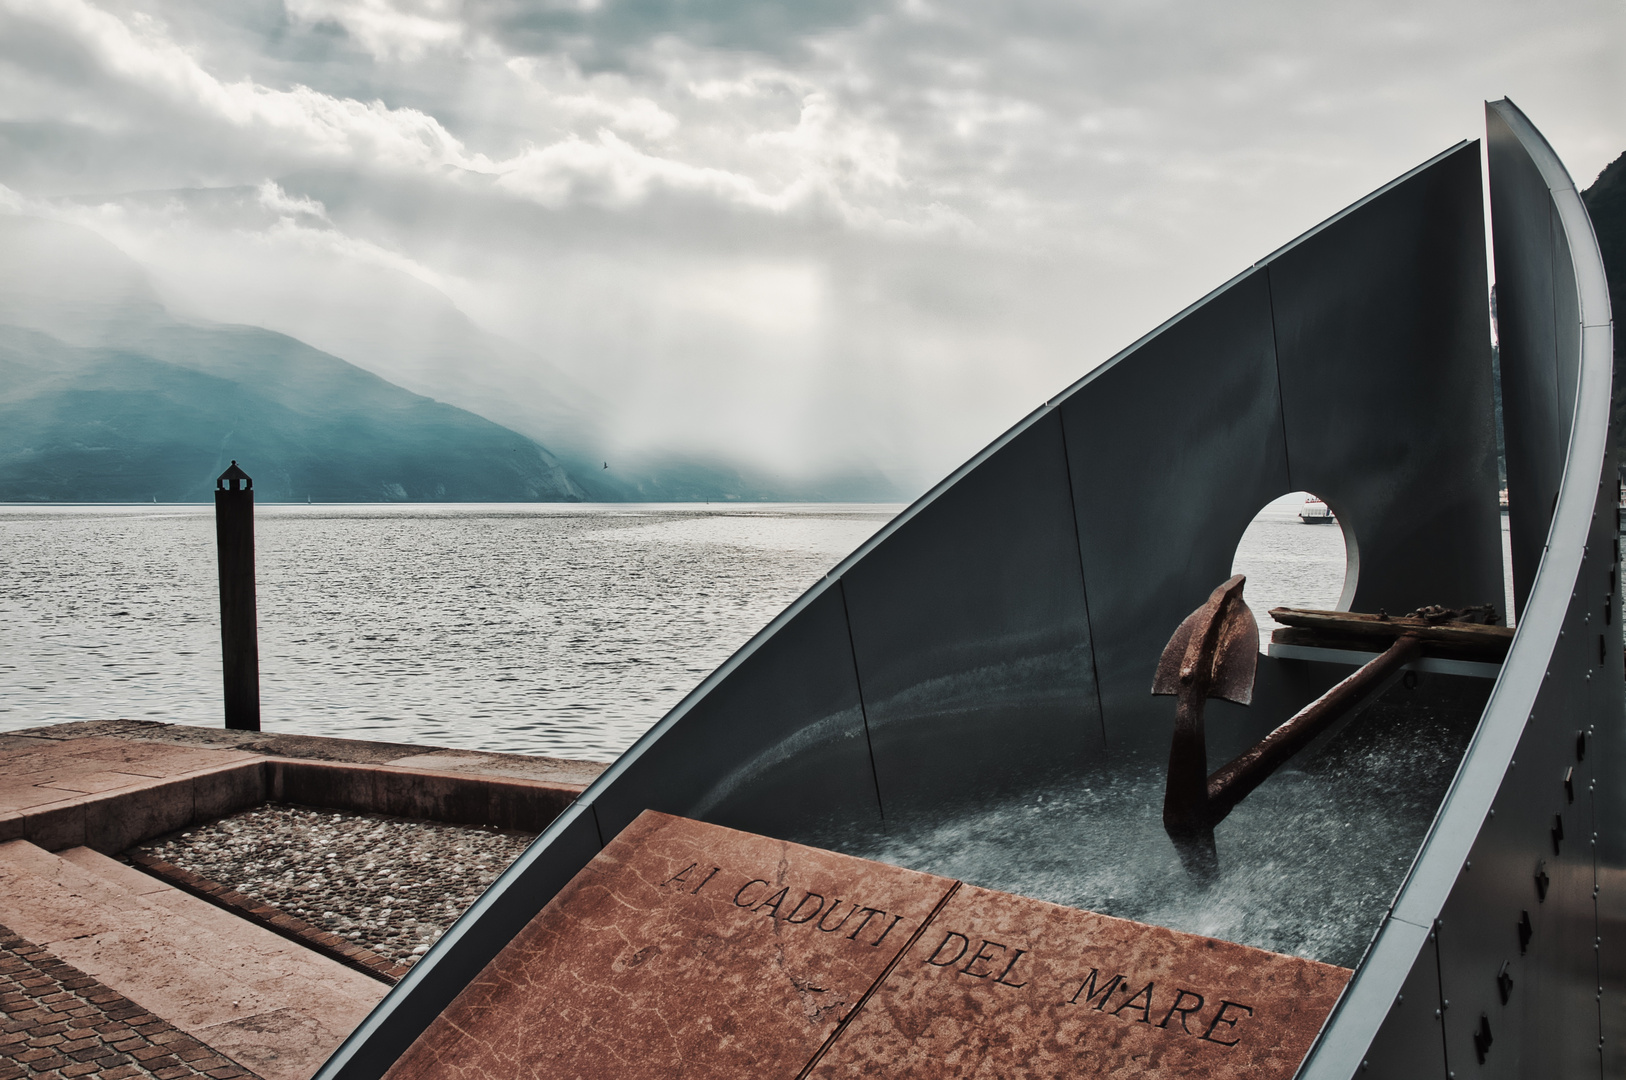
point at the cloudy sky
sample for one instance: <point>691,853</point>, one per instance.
<point>808,235</point>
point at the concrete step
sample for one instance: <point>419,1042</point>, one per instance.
<point>275,1007</point>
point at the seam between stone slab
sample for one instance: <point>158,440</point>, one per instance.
<point>876,985</point>
<point>271,917</point>
<point>310,747</point>
<point>112,821</point>
<point>455,798</point>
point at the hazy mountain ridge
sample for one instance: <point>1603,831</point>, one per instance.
<point>87,423</point>
<point>107,396</point>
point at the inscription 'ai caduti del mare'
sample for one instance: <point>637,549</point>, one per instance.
<point>687,949</point>
<point>826,915</point>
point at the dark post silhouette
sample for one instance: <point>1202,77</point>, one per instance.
<point>239,635</point>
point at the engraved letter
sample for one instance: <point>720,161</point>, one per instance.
<point>791,918</point>
<point>1145,1007</point>
<point>747,885</point>
<point>1001,979</point>
<point>773,902</point>
<point>965,943</point>
<point>1221,1018</point>
<point>872,912</point>
<point>831,910</point>
<point>681,876</point>
<point>705,879</point>
<point>896,919</point>
<point>1089,984</point>
<point>982,954</point>
<point>1179,998</point>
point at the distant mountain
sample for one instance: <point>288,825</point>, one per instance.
<point>92,424</point>
<point>106,397</point>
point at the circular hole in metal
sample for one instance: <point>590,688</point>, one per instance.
<point>1294,555</point>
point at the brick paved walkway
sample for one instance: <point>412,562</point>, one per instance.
<point>60,1022</point>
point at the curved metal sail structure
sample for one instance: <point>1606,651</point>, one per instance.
<point>1005,627</point>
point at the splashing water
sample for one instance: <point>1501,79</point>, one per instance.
<point>1309,862</point>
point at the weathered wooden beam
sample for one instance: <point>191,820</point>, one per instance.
<point>1351,629</point>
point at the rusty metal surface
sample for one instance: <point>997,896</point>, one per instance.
<point>1213,654</point>
<point>1231,783</point>
<point>1225,652</point>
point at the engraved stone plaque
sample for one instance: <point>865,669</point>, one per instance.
<point>690,950</point>
<point>1003,986</point>
<point>682,950</point>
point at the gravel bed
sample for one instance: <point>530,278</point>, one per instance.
<point>388,884</point>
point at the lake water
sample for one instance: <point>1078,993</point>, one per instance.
<point>550,629</point>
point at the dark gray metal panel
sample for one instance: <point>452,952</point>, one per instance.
<point>1566,323</point>
<point>1172,448</point>
<point>1548,1025</point>
<point>774,748</point>
<point>1534,427</point>
<point>971,634</point>
<point>972,643</point>
<point>1409,1044</point>
<point>1601,588</point>
<point>1553,682</point>
<point>467,946</point>
<point>1383,347</point>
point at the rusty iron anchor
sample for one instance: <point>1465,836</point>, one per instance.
<point>1215,653</point>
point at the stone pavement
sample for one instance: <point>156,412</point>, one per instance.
<point>220,988</point>
<point>61,1023</point>
<point>272,1005</point>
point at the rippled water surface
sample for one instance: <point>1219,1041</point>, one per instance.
<point>548,629</point>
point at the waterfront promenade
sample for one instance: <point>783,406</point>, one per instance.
<point>114,963</point>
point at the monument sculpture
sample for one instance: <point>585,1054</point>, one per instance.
<point>703,909</point>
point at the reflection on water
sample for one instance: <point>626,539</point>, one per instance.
<point>1309,861</point>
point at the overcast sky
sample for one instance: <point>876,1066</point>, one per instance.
<point>812,234</point>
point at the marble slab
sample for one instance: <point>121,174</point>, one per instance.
<point>690,950</point>
<point>1003,986</point>
<point>682,950</point>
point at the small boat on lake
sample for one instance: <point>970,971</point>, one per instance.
<point>1316,512</point>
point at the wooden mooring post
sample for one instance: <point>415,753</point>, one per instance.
<point>239,632</point>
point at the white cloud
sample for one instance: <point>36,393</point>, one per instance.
<point>403,31</point>
<point>279,202</point>
<point>888,232</point>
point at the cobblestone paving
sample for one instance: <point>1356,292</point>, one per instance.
<point>391,885</point>
<point>61,1023</point>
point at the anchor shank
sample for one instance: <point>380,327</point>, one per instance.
<point>1232,782</point>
